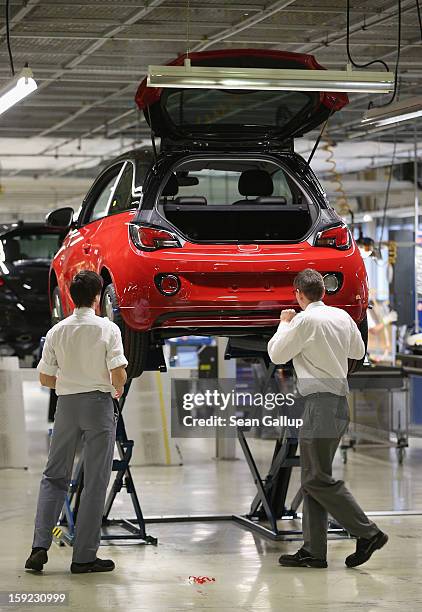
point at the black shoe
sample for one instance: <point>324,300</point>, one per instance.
<point>37,559</point>
<point>99,565</point>
<point>366,548</point>
<point>302,559</point>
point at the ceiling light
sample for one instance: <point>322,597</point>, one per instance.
<point>393,113</point>
<point>367,218</point>
<point>205,77</point>
<point>17,89</point>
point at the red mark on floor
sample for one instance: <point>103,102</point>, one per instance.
<point>200,579</point>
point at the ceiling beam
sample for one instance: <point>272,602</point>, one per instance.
<point>148,36</point>
<point>80,57</point>
<point>84,109</point>
<point>232,6</point>
<point>19,15</point>
<point>363,24</point>
<point>242,25</point>
<point>101,127</point>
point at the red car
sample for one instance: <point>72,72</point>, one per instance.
<point>207,236</point>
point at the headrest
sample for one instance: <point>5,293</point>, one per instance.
<point>271,200</point>
<point>190,200</point>
<point>255,183</point>
<point>172,187</point>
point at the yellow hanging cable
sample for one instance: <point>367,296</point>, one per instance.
<point>341,202</point>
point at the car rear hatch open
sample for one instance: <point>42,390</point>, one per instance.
<point>227,118</point>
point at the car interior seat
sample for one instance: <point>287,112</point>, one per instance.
<point>254,183</point>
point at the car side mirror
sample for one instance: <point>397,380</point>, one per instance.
<point>61,217</point>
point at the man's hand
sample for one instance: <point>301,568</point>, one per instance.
<point>287,315</point>
<point>119,393</point>
<point>118,377</point>
<point>48,381</point>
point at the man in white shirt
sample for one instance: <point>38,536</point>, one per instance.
<point>83,360</point>
<point>320,340</point>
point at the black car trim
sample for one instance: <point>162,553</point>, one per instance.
<point>173,332</point>
<point>186,314</point>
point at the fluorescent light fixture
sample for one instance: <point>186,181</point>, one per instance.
<point>393,113</point>
<point>367,218</point>
<point>205,77</point>
<point>20,87</point>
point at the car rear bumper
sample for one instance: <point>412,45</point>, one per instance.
<point>227,289</point>
<point>204,317</point>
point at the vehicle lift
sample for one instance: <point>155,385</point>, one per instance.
<point>268,507</point>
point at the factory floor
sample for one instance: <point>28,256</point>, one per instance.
<point>244,566</point>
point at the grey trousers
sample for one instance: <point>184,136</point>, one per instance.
<point>89,417</point>
<point>325,420</point>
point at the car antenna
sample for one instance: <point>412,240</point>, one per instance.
<point>318,140</point>
<point>154,147</point>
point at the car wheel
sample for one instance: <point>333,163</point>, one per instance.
<point>356,364</point>
<point>57,313</point>
<point>135,343</point>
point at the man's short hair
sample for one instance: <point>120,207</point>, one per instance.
<point>310,283</point>
<point>85,287</point>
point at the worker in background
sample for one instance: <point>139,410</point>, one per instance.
<point>83,361</point>
<point>320,340</point>
<point>380,318</point>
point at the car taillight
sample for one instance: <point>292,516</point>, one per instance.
<point>152,238</point>
<point>168,284</point>
<point>335,237</point>
<point>1,281</point>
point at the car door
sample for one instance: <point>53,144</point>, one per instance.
<point>81,250</point>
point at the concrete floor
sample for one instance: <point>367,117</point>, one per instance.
<point>247,576</point>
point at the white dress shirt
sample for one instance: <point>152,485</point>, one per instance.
<point>81,350</point>
<point>320,340</point>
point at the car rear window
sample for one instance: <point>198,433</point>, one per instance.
<point>236,199</point>
<point>29,246</point>
<point>196,108</point>
<point>218,182</point>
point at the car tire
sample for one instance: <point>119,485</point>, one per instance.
<point>57,313</point>
<point>135,343</point>
<point>356,364</point>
